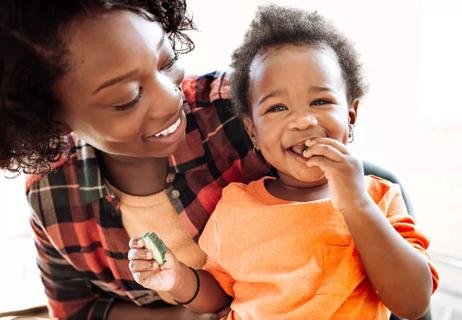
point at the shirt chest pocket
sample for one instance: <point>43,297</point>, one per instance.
<point>342,270</point>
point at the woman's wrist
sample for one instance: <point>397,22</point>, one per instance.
<point>186,285</point>
<point>196,291</point>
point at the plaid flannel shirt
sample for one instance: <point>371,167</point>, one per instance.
<point>81,243</point>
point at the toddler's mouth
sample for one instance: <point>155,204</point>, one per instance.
<point>298,149</point>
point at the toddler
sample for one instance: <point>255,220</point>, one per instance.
<point>320,240</point>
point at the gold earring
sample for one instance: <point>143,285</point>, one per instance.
<point>255,149</point>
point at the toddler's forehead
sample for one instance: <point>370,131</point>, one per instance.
<point>309,63</point>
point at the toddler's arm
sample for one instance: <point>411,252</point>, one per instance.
<point>400,274</point>
<point>197,289</point>
<point>398,271</point>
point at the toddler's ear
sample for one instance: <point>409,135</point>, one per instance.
<point>353,112</point>
<point>248,124</point>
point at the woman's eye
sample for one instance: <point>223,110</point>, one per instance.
<point>319,102</point>
<point>130,104</point>
<point>277,108</point>
<point>170,64</point>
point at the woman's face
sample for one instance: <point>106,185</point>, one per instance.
<point>122,94</point>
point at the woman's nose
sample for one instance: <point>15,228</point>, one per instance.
<point>302,121</point>
<point>165,97</point>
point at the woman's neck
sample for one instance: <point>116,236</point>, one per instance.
<point>290,192</point>
<point>135,176</point>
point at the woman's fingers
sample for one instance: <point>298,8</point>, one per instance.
<point>140,254</point>
<point>144,277</point>
<point>142,265</point>
<point>136,243</point>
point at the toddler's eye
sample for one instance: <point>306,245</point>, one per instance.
<point>277,108</point>
<point>319,102</point>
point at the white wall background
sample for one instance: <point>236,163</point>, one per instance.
<point>410,121</point>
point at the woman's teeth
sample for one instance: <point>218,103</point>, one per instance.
<point>169,130</point>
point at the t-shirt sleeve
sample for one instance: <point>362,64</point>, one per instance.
<point>404,224</point>
<point>210,244</point>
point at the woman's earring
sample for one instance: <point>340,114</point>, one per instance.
<point>255,149</point>
<point>351,134</point>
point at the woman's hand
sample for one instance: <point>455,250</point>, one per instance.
<point>343,171</point>
<point>148,273</point>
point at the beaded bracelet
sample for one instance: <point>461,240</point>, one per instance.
<point>198,286</point>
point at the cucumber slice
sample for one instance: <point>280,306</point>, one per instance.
<point>156,245</point>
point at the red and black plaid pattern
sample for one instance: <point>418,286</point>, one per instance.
<point>82,246</point>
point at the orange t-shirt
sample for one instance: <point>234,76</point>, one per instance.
<point>281,259</point>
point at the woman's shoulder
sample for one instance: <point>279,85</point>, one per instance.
<point>75,145</point>
<point>207,98</point>
<point>75,180</point>
<point>33,180</point>
<point>206,88</point>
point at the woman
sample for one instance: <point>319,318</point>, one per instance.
<point>91,105</point>
<point>107,72</point>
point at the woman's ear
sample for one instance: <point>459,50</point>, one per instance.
<point>249,127</point>
<point>353,112</point>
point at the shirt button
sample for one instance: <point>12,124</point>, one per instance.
<point>175,194</point>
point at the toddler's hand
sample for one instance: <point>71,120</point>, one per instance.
<point>343,171</point>
<point>148,273</point>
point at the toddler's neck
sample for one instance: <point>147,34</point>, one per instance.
<point>295,193</point>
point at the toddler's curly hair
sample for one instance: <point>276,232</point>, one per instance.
<point>275,27</point>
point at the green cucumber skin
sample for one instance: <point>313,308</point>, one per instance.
<point>156,245</point>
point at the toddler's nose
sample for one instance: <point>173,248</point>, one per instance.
<point>303,122</point>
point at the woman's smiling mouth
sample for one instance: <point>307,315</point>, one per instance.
<point>169,130</point>
<point>171,133</point>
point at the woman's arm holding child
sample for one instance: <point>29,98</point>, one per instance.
<point>197,288</point>
<point>399,273</point>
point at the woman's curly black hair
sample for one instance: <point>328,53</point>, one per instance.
<point>276,26</point>
<point>33,57</point>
